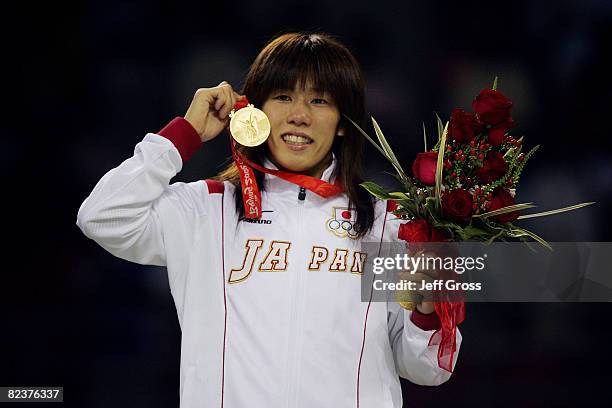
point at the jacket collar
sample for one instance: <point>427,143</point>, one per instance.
<point>278,185</point>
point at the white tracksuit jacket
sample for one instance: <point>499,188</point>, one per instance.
<point>270,312</point>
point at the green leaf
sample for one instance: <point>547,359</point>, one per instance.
<point>363,132</point>
<point>424,137</point>
<point>494,87</point>
<point>516,173</point>
<point>495,236</point>
<point>471,231</point>
<point>399,195</point>
<point>447,224</point>
<point>439,166</point>
<point>377,190</point>
<point>402,177</point>
<point>513,161</point>
<point>557,211</point>
<point>406,182</point>
<point>520,232</point>
<point>504,210</point>
<point>440,125</point>
<point>383,142</point>
<point>431,206</point>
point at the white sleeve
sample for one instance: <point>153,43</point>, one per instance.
<point>127,209</point>
<point>414,359</point>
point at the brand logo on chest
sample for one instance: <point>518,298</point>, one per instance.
<point>257,221</point>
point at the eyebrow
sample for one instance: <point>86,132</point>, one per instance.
<point>310,89</point>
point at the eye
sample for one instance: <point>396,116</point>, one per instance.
<point>319,101</point>
<point>282,97</point>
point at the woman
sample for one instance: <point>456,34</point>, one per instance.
<point>270,307</point>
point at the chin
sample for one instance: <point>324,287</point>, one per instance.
<point>295,167</point>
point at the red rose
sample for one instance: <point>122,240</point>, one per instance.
<point>424,167</point>
<point>457,205</point>
<point>464,126</point>
<point>493,168</point>
<point>492,107</point>
<point>419,231</point>
<point>497,133</point>
<point>502,198</point>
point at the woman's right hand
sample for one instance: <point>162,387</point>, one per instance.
<point>209,110</point>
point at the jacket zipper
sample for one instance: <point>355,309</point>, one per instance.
<point>296,341</point>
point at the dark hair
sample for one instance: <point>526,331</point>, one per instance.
<point>297,59</point>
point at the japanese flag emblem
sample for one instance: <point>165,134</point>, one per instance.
<point>342,222</point>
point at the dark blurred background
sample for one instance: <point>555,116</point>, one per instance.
<point>87,80</point>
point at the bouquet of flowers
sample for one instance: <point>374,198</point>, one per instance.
<point>463,189</point>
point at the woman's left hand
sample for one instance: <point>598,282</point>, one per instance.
<point>422,297</point>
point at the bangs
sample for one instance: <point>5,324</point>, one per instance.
<point>305,61</point>
<point>300,66</point>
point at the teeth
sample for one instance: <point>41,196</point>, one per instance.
<point>296,139</point>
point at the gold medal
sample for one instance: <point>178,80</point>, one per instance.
<point>406,299</point>
<point>249,126</point>
<point>408,305</point>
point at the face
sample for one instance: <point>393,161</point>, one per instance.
<point>304,123</point>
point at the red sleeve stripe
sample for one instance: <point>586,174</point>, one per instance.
<point>425,321</point>
<point>214,186</point>
<point>183,136</point>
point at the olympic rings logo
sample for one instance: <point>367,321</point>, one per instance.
<point>341,223</point>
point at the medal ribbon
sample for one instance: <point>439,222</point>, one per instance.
<point>451,314</point>
<point>251,197</point>
<point>450,308</point>
<point>250,192</point>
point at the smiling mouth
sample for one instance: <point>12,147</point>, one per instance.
<point>296,140</point>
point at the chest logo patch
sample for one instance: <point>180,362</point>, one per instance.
<point>342,222</point>
<point>257,220</point>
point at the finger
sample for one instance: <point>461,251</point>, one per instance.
<point>224,100</point>
<point>235,96</point>
<point>217,91</point>
<point>219,96</point>
<point>427,268</point>
<point>425,286</point>
<point>231,99</point>
<point>430,272</point>
<point>226,122</point>
<point>419,282</point>
<point>419,276</point>
<point>228,102</point>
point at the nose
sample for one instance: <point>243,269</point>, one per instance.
<point>299,114</point>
